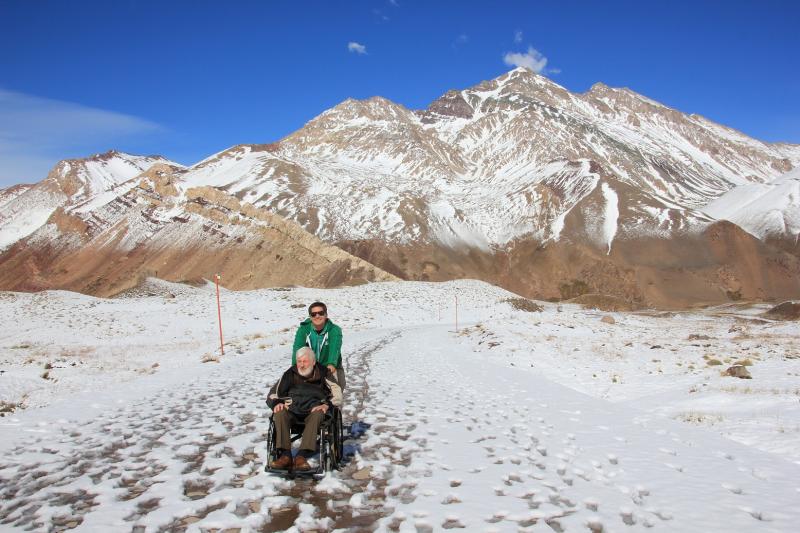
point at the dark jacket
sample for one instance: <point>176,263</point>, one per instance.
<point>327,344</point>
<point>302,394</point>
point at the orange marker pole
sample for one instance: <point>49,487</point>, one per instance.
<point>219,317</point>
<point>456,312</point>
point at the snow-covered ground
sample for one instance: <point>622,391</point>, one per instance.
<point>552,420</point>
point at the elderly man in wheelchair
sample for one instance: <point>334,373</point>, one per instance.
<point>305,400</point>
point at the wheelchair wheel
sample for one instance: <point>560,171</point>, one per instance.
<point>326,457</point>
<point>271,441</point>
<point>324,443</point>
<point>337,432</point>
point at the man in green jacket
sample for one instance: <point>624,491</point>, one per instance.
<point>324,337</point>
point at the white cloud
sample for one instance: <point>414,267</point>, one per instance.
<point>380,15</point>
<point>461,40</point>
<point>353,46</point>
<point>36,133</point>
<point>518,36</point>
<point>533,60</point>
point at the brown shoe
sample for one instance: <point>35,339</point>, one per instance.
<point>281,463</point>
<point>301,464</point>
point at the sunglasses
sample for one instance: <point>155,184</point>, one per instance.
<point>316,314</point>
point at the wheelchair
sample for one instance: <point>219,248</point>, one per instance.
<point>330,444</point>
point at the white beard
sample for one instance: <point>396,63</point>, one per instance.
<point>307,372</point>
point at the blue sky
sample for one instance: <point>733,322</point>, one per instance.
<point>186,79</point>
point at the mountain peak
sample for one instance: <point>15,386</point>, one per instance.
<point>110,154</point>
<point>524,75</point>
<point>599,88</point>
<point>374,108</point>
<point>521,72</point>
<point>100,172</point>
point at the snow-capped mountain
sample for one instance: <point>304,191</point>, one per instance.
<point>516,181</point>
<point>506,159</point>
<point>522,183</point>
<point>73,184</point>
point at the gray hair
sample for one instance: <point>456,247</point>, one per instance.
<point>306,351</point>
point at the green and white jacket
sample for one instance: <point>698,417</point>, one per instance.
<point>327,344</point>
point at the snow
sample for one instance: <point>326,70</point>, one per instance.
<point>101,181</point>
<point>371,157</point>
<point>511,420</point>
<point>99,175</point>
<point>762,209</point>
<point>221,172</point>
<point>451,230</point>
<point>611,215</point>
<point>24,223</point>
<point>103,198</point>
<point>371,169</point>
<point>356,170</point>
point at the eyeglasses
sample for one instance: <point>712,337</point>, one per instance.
<point>316,314</point>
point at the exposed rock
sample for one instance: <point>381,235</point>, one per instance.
<point>363,474</point>
<point>608,319</point>
<point>784,311</point>
<point>738,371</point>
<point>451,104</point>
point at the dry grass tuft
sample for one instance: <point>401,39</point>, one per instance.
<point>604,302</point>
<point>694,417</point>
<point>523,304</point>
<point>8,407</point>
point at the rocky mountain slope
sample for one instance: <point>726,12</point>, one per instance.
<point>72,182</point>
<point>522,183</point>
<point>508,158</point>
<point>103,246</point>
<point>519,182</point>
